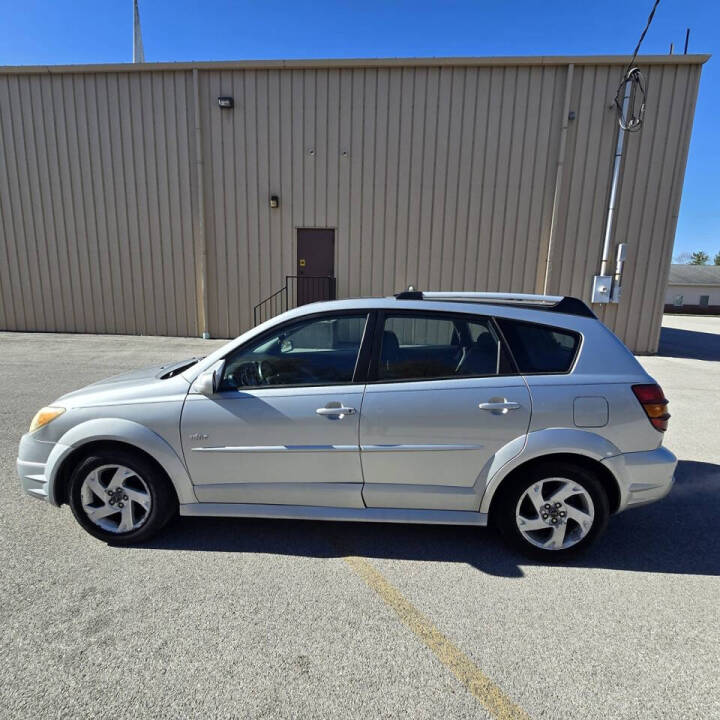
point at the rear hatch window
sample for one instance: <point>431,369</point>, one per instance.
<point>540,348</point>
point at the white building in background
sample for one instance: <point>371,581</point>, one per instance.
<point>693,288</point>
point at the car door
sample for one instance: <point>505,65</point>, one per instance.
<point>282,427</point>
<point>442,399</point>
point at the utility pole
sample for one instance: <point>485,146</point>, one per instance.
<point>138,53</point>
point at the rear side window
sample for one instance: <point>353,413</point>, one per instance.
<point>540,348</point>
<point>422,346</point>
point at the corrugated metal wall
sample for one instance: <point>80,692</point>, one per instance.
<point>441,174</point>
<point>652,178</point>
<point>442,177</point>
<point>95,187</point>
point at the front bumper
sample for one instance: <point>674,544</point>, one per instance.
<point>643,477</point>
<point>32,466</point>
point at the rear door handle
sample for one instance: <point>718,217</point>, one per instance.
<point>340,411</point>
<point>499,407</point>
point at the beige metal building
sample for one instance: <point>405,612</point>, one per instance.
<point>131,201</point>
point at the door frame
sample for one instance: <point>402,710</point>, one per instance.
<point>428,497</point>
<point>332,275</point>
<point>342,493</point>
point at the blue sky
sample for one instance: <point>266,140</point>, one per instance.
<point>92,31</point>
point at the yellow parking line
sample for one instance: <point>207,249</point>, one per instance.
<point>480,685</point>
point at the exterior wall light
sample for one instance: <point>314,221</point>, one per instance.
<point>225,101</point>
<point>274,201</point>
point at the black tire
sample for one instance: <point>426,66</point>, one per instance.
<point>504,512</point>
<point>163,506</point>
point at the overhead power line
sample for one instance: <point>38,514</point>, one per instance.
<point>632,85</point>
<point>642,35</point>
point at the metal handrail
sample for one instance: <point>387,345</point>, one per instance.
<point>271,306</point>
<point>291,295</point>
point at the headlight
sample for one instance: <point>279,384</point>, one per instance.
<point>44,416</point>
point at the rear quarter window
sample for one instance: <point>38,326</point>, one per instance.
<point>540,348</point>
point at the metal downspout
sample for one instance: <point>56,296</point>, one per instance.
<point>558,177</point>
<point>200,240</point>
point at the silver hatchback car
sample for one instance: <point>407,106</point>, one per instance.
<point>520,411</point>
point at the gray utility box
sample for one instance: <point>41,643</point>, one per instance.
<point>602,287</point>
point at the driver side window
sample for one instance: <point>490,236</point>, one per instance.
<point>318,351</point>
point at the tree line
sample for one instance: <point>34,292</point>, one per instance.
<point>699,257</point>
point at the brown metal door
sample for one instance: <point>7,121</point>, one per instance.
<point>315,265</point>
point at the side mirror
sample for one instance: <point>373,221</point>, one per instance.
<point>206,383</point>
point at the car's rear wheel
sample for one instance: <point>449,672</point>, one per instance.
<point>553,511</point>
<point>120,497</point>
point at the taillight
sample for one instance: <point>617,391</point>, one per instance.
<point>654,403</point>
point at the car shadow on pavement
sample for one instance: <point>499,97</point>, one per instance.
<point>678,343</point>
<point>679,534</point>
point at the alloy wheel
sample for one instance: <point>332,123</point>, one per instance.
<point>115,498</point>
<point>555,513</point>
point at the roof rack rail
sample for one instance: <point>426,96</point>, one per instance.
<point>551,303</point>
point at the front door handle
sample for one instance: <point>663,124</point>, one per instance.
<point>499,407</point>
<point>338,411</point>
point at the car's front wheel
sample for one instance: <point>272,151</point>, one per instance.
<point>553,511</point>
<point>120,497</point>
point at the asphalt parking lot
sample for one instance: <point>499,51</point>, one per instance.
<point>250,618</point>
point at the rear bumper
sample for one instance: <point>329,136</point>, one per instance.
<point>643,477</point>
